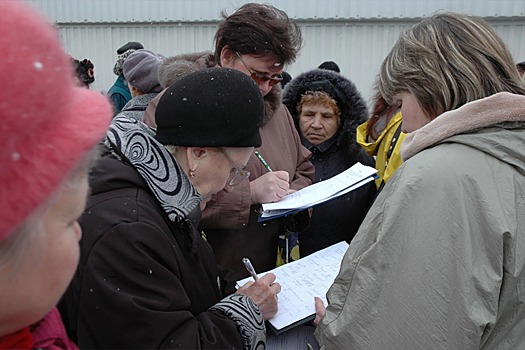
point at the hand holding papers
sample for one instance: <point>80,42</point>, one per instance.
<point>301,281</point>
<point>320,192</point>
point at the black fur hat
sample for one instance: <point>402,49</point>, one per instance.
<point>214,107</point>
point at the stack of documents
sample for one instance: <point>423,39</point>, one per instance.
<point>349,180</point>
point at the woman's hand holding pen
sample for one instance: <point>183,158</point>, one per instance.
<point>270,187</point>
<point>263,292</point>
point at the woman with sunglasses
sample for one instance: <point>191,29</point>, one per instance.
<point>147,278</point>
<point>258,40</point>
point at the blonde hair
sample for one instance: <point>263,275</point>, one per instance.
<point>448,60</point>
<point>318,98</point>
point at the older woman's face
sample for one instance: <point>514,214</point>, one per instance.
<point>213,174</point>
<point>32,288</point>
<point>318,123</point>
<point>413,115</point>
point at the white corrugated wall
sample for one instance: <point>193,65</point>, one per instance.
<point>357,34</point>
<point>110,11</point>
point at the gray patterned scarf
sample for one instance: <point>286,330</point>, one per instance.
<point>134,142</point>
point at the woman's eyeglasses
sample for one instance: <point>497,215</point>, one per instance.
<point>237,174</point>
<point>259,77</point>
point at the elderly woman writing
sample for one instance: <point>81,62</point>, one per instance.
<point>446,269</point>
<point>147,277</point>
<point>48,142</point>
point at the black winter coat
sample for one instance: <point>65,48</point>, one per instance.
<point>145,280</point>
<point>339,218</point>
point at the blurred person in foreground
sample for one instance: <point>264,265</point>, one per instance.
<point>147,278</point>
<point>327,108</point>
<point>446,269</point>
<point>47,145</point>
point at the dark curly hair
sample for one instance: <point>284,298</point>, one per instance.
<point>259,29</point>
<point>84,71</point>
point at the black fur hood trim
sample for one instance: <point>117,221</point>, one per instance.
<point>353,110</point>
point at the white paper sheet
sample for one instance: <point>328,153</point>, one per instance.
<point>348,180</point>
<point>301,281</point>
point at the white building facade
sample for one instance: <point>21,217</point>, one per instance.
<point>356,34</point>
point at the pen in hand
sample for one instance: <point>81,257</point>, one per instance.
<point>263,161</point>
<point>248,264</point>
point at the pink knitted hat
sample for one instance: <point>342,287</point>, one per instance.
<point>46,124</point>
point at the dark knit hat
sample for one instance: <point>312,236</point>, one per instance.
<point>140,70</point>
<point>330,65</point>
<point>214,107</point>
<point>326,86</point>
<point>132,45</point>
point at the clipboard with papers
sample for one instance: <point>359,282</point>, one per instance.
<point>338,185</point>
<point>301,281</point>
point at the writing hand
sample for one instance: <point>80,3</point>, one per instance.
<point>270,187</point>
<point>263,292</point>
<point>320,311</point>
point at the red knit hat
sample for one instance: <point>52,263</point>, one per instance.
<point>46,124</point>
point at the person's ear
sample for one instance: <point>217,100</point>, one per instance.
<point>134,91</point>
<point>228,56</point>
<point>195,155</point>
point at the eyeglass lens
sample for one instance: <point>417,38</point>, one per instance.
<point>261,78</point>
<point>238,174</point>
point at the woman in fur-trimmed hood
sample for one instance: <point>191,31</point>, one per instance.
<point>327,108</point>
<point>353,109</point>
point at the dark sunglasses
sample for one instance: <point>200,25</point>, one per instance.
<point>261,78</point>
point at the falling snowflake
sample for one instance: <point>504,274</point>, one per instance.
<point>38,66</point>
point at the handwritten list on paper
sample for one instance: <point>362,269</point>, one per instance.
<point>302,280</point>
<point>338,185</point>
